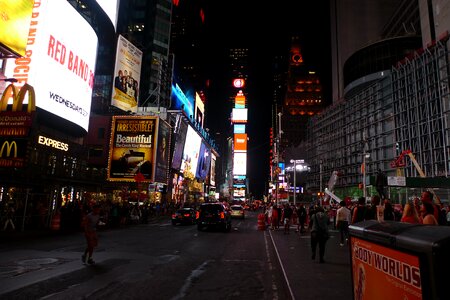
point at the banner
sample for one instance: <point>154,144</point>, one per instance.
<point>132,148</point>
<point>384,273</point>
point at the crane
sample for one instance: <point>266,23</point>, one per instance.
<point>331,183</point>
<point>401,162</point>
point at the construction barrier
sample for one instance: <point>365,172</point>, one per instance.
<point>56,222</point>
<point>261,222</point>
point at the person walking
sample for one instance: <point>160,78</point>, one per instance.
<point>274,218</point>
<point>287,216</point>
<point>319,233</point>
<point>90,232</point>
<point>301,213</point>
<point>343,216</point>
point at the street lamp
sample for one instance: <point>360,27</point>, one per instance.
<point>365,157</point>
<point>295,162</point>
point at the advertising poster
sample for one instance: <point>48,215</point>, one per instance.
<point>132,148</point>
<point>191,151</point>
<point>162,154</point>
<point>240,142</point>
<point>127,74</point>
<point>212,172</point>
<point>179,146</point>
<point>204,161</point>
<point>15,17</point>
<point>384,273</point>
<point>58,66</point>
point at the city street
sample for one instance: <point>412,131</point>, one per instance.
<point>162,261</point>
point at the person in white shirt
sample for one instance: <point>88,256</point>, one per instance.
<point>343,217</point>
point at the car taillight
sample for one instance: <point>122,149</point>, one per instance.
<point>197,214</point>
<point>186,215</point>
<point>222,215</point>
<point>174,215</point>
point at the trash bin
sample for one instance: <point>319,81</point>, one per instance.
<point>394,260</point>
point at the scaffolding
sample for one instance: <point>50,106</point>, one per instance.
<point>421,104</point>
<point>407,108</point>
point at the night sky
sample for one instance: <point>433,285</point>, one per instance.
<point>266,30</point>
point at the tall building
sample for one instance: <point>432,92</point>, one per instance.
<point>146,24</point>
<point>355,24</point>
<point>303,98</point>
<point>395,94</point>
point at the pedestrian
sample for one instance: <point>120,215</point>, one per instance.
<point>427,211</point>
<point>287,215</point>
<point>380,184</point>
<point>359,211</point>
<point>410,214</point>
<point>9,218</point>
<point>301,213</point>
<point>319,233</point>
<point>90,232</point>
<point>274,219</point>
<point>343,216</point>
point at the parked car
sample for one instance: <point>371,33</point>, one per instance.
<point>213,215</point>
<point>237,211</point>
<point>184,215</point>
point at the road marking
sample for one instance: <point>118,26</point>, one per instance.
<point>282,267</point>
<point>269,262</point>
<point>194,275</point>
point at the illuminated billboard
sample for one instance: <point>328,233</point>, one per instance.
<point>181,102</point>
<point>163,153</point>
<point>111,8</point>
<point>179,146</point>
<point>239,115</point>
<point>240,163</point>
<point>239,128</point>
<point>13,152</point>
<point>212,172</point>
<point>15,17</point>
<point>239,100</point>
<point>191,152</point>
<point>127,73</point>
<point>240,142</point>
<point>132,148</point>
<point>59,66</point>
<point>199,110</point>
<point>204,160</point>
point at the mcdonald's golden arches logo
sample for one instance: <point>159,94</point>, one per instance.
<point>18,95</point>
<point>8,146</point>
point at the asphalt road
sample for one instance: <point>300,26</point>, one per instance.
<point>162,261</point>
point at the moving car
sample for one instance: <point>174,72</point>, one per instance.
<point>214,215</point>
<point>237,211</point>
<point>184,215</point>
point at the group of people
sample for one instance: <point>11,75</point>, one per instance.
<point>286,215</point>
<point>421,210</point>
<point>125,82</point>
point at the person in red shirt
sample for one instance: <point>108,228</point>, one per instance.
<point>410,215</point>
